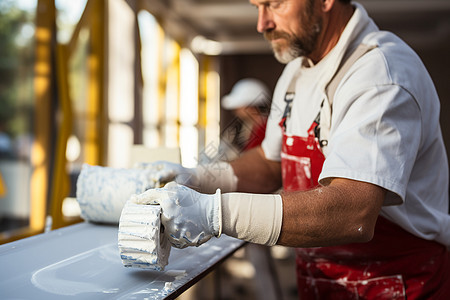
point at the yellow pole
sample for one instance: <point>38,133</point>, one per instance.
<point>3,189</point>
<point>61,180</point>
<point>96,126</point>
<point>45,39</point>
<point>203,92</point>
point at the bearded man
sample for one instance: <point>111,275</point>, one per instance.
<point>354,140</point>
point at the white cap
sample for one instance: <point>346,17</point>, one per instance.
<point>246,92</point>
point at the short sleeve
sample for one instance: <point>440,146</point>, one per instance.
<point>375,136</point>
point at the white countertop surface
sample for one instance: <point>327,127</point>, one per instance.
<point>82,261</point>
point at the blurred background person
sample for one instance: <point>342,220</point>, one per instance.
<point>249,100</point>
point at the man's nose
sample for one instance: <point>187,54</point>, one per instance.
<point>265,20</point>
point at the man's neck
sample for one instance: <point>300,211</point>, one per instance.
<point>334,23</point>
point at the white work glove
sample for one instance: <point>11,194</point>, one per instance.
<point>164,171</point>
<point>189,218</point>
<point>205,178</point>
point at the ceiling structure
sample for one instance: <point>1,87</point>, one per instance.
<point>232,23</point>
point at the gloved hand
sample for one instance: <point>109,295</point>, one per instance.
<point>164,171</point>
<point>205,178</point>
<point>189,218</point>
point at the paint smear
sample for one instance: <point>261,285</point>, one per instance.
<point>51,278</point>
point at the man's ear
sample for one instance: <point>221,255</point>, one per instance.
<point>327,5</point>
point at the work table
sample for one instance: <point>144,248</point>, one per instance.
<point>83,261</point>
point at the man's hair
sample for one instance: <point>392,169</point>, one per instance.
<point>345,1</point>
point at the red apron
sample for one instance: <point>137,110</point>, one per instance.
<point>393,265</point>
<point>257,135</point>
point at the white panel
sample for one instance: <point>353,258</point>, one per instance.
<point>189,74</point>
<point>212,137</point>
<point>120,142</point>
<point>121,61</point>
<point>16,176</point>
<point>151,137</point>
<point>140,153</point>
<point>189,146</point>
<point>150,55</point>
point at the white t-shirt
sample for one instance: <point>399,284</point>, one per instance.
<point>384,128</point>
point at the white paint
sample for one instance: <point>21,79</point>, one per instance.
<point>141,242</point>
<point>103,191</point>
<point>52,277</point>
<point>168,287</point>
<point>178,274</point>
<point>289,141</point>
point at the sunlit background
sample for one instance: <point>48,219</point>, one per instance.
<point>166,115</point>
<point>99,81</point>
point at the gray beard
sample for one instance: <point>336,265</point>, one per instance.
<point>299,47</point>
<point>285,56</point>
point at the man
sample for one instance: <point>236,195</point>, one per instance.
<point>367,188</point>
<point>249,101</point>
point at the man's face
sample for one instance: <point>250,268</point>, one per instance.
<point>291,26</point>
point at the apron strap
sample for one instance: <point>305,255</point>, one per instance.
<point>324,118</point>
<point>343,68</point>
<point>288,98</point>
<point>330,91</point>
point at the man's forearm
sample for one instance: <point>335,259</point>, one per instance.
<point>343,212</point>
<point>255,173</point>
